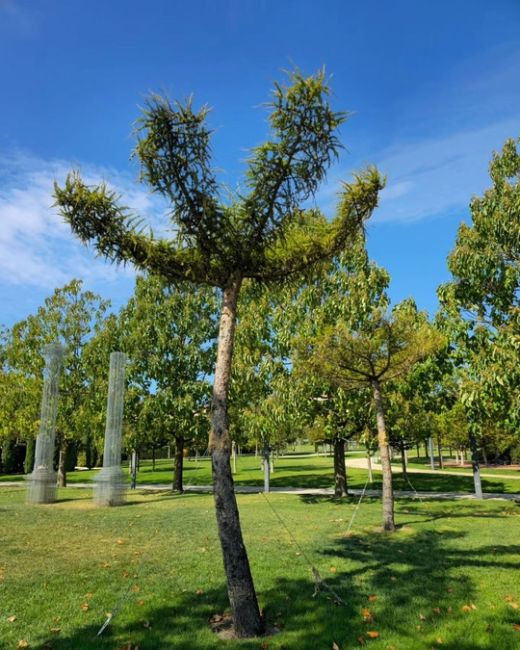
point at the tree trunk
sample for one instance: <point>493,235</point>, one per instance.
<point>267,466</point>
<point>340,474</point>
<point>418,450</point>
<point>62,472</point>
<point>388,493</point>
<point>403,459</point>
<point>133,470</point>
<point>29,455</point>
<point>241,591</point>
<point>369,466</point>
<point>179,460</point>
<point>153,459</point>
<point>430,451</point>
<point>484,456</point>
<point>439,448</point>
<point>475,465</point>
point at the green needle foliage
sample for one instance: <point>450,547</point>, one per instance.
<point>262,232</point>
<point>383,348</point>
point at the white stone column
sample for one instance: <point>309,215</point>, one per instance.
<point>110,483</point>
<point>42,480</point>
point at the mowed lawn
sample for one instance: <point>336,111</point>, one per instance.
<point>306,472</point>
<point>448,578</point>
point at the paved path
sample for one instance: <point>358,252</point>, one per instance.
<point>361,463</point>
<point>251,489</point>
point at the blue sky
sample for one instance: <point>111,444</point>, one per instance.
<point>434,88</point>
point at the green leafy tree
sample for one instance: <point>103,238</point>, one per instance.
<point>169,334</point>
<point>262,233</point>
<point>481,304</point>
<point>385,348</point>
<point>69,316</point>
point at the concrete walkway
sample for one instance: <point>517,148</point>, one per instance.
<point>361,463</point>
<point>252,489</point>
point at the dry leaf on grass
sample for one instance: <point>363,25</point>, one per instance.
<point>335,646</point>
<point>84,607</point>
<point>367,615</point>
<point>11,619</point>
<point>23,643</point>
<point>372,634</point>
<point>372,598</point>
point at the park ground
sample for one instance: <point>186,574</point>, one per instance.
<point>306,470</point>
<point>448,577</point>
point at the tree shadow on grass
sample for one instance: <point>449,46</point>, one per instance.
<point>413,587</point>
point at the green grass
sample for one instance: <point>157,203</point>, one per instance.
<point>159,558</point>
<point>306,472</point>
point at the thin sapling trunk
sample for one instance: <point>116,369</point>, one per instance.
<point>386,467</point>
<point>179,465</point>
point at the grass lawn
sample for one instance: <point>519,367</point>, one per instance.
<point>448,578</point>
<point>307,472</point>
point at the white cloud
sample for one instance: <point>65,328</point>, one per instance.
<point>435,176</point>
<point>36,247</point>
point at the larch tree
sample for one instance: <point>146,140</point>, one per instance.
<point>262,232</point>
<point>383,348</point>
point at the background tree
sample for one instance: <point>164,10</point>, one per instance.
<point>482,306</point>
<point>69,316</point>
<point>169,334</point>
<point>261,233</point>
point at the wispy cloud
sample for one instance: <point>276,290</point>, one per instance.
<point>439,154</point>
<point>436,176</point>
<point>36,247</point>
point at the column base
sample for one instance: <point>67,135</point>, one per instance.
<point>110,486</point>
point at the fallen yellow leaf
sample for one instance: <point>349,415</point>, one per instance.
<point>372,634</point>
<point>11,619</point>
<point>372,598</point>
<point>367,615</point>
<point>84,607</point>
<point>23,643</point>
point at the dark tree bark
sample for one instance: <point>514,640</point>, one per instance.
<point>439,449</point>
<point>340,474</point>
<point>29,455</point>
<point>388,493</point>
<point>178,465</point>
<point>242,596</point>
<point>62,472</point>
<point>403,458</point>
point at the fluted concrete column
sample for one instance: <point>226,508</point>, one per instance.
<point>42,480</point>
<point>110,483</point>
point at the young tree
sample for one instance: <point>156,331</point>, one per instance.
<point>384,348</point>
<point>262,233</point>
